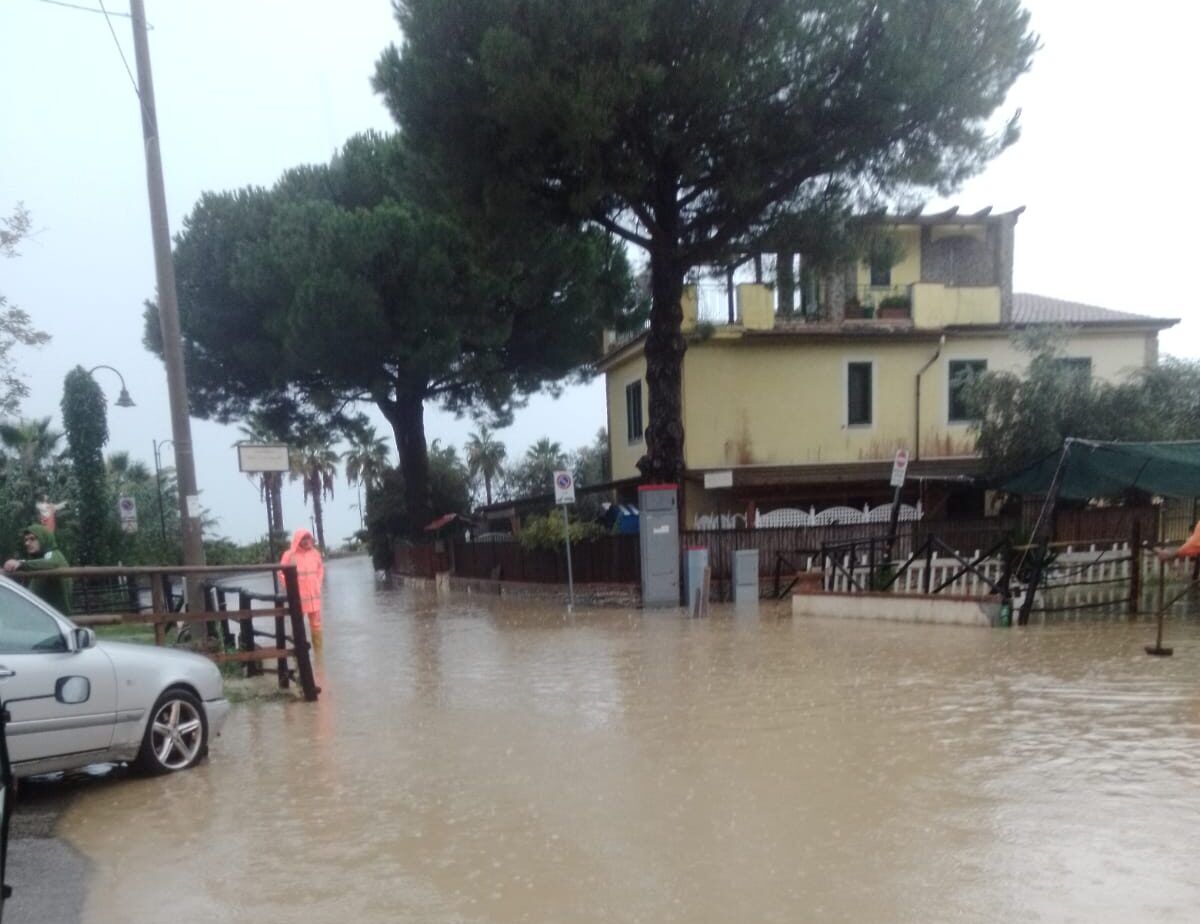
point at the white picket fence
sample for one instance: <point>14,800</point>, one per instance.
<point>1077,577</point>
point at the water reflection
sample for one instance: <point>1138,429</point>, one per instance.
<point>479,760</point>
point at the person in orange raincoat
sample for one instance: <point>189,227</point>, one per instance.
<point>1189,549</point>
<point>310,570</point>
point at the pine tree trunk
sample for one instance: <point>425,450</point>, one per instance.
<point>665,346</point>
<point>407,416</point>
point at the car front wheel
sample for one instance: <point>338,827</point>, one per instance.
<point>176,735</point>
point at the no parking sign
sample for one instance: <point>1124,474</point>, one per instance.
<point>564,488</point>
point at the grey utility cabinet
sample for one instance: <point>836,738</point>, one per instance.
<point>695,560</point>
<point>745,576</point>
<point>658,525</point>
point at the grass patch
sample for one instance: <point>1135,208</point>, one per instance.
<point>126,632</point>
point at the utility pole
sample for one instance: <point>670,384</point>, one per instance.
<point>168,313</point>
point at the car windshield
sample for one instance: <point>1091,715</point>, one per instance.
<point>26,627</point>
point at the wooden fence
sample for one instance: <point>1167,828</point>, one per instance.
<point>144,595</point>
<point>616,559</point>
<point>606,560</point>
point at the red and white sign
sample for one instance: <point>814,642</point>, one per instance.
<point>564,488</point>
<point>899,468</point>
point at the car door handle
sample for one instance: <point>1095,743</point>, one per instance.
<point>5,673</point>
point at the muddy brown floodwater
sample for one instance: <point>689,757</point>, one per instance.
<point>472,760</point>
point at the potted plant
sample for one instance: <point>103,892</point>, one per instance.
<point>895,306</point>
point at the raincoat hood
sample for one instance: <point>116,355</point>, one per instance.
<point>44,537</point>
<point>297,537</point>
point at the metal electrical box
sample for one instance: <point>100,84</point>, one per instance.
<point>658,523</point>
<point>695,560</point>
<point>745,576</point>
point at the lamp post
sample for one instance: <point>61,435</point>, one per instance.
<point>123,399</point>
<point>162,517</point>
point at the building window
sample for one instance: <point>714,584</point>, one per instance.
<point>1075,365</point>
<point>858,394</point>
<point>963,373</point>
<point>633,410</point>
<point>881,272</point>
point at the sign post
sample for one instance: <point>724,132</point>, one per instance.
<point>258,459</point>
<point>564,494</point>
<point>899,472</point>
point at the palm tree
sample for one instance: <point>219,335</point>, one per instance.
<point>366,460</point>
<point>535,474</point>
<point>485,458</point>
<point>314,465</point>
<point>31,442</point>
<point>29,462</point>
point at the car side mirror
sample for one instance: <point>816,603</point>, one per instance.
<point>84,638</point>
<point>72,690</point>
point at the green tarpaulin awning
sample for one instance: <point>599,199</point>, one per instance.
<point>1095,469</point>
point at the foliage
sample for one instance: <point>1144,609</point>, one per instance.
<point>1023,418</point>
<point>344,282</point>
<point>16,328</point>
<point>534,474</point>
<point>485,459</point>
<point>387,516</point>
<point>367,458</point>
<point>590,465</point>
<point>224,551</point>
<point>546,532</point>
<point>699,131</point>
<point>85,419</point>
<point>314,464</point>
<point>157,540</point>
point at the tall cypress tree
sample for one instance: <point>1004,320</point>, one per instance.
<point>85,419</point>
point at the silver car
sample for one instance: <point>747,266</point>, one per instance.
<point>73,701</point>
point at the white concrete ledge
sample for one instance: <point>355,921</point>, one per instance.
<point>936,608</point>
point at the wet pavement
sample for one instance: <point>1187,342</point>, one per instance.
<point>473,760</point>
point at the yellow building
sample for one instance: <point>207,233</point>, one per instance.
<point>784,409</point>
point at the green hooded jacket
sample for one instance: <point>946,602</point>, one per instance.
<point>54,590</point>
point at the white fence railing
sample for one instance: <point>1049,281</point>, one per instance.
<point>1077,578</point>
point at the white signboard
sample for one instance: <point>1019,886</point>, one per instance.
<point>899,468</point>
<point>718,480</point>
<point>127,511</point>
<point>564,488</point>
<point>262,457</point>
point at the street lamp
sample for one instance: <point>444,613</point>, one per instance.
<point>162,517</point>
<point>123,400</point>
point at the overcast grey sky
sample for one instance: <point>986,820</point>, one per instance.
<point>246,89</point>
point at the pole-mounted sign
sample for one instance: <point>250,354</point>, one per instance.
<point>564,493</point>
<point>899,468</point>
<point>564,488</point>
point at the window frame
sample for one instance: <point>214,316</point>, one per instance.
<point>950,392</point>
<point>633,413</point>
<point>10,597</point>
<point>1074,365</point>
<point>870,402</point>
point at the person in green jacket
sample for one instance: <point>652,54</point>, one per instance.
<point>42,554</point>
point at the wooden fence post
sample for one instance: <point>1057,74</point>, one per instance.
<point>246,634</point>
<point>1135,566</point>
<point>308,683</point>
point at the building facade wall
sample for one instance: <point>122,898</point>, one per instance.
<point>625,453</point>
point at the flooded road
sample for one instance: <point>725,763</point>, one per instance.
<point>479,761</point>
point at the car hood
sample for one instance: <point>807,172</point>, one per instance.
<point>170,665</point>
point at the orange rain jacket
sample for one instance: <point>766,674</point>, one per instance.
<point>1191,548</point>
<point>310,570</point>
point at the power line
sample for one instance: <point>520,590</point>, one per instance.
<point>76,6</point>
<point>120,51</point>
